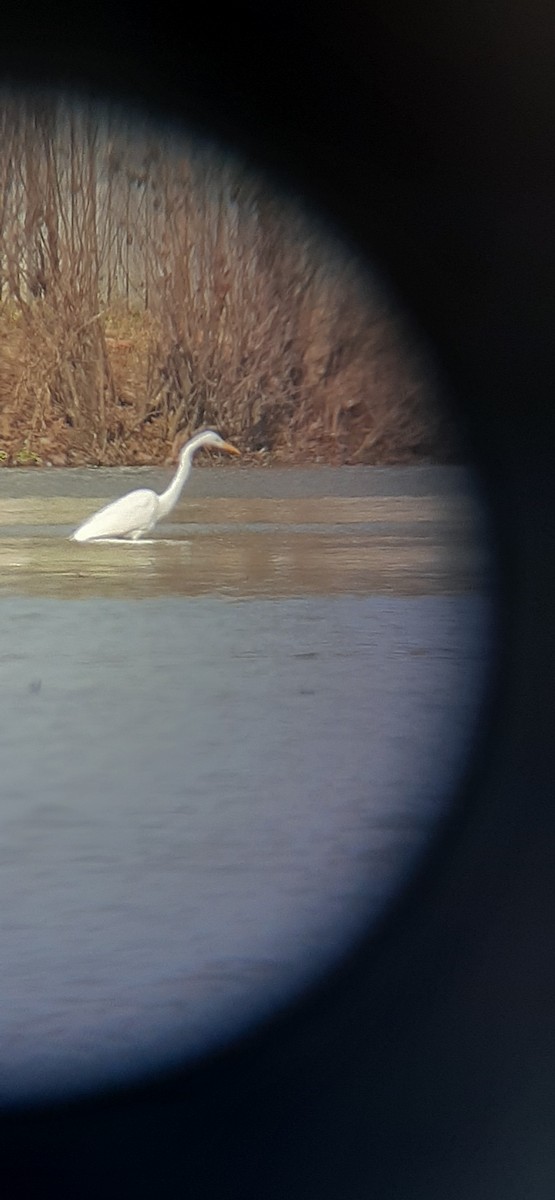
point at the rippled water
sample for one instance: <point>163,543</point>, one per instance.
<point>221,750</point>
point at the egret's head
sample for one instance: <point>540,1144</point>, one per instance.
<point>208,437</point>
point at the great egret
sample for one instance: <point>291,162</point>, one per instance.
<point>139,511</point>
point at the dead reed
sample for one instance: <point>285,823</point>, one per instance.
<point>150,286</point>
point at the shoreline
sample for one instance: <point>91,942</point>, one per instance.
<point>243,480</point>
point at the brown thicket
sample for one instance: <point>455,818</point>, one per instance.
<point>150,286</point>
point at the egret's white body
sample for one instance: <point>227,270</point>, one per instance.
<point>138,512</point>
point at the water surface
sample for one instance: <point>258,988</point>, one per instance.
<point>221,751</point>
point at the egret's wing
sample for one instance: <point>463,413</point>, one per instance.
<point>127,515</point>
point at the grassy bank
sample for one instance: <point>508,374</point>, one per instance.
<point>367,411</point>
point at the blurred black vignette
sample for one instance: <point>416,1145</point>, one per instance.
<point>424,1069</point>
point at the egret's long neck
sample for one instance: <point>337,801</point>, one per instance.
<point>170,497</point>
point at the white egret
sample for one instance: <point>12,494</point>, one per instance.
<point>139,511</point>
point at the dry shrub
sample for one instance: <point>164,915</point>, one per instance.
<point>151,288</point>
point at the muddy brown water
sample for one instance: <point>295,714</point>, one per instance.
<point>222,748</point>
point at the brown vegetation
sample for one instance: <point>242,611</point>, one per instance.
<point>149,287</point>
